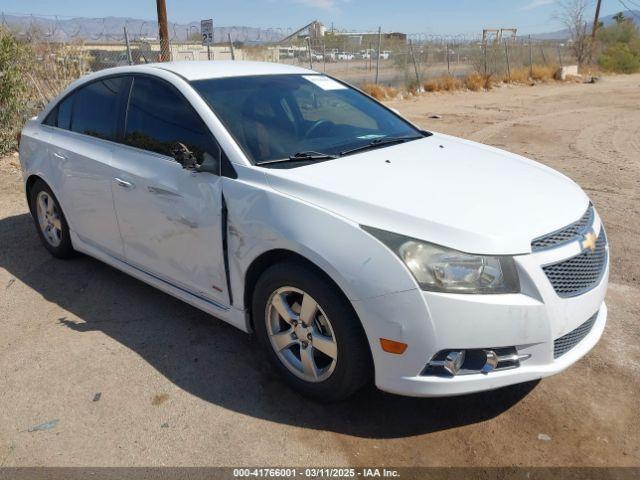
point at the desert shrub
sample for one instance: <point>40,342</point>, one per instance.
<point>620,58</point>
<point>449,84</point>
<point>518,75</point>
<point>380,92</point>
<point>620,47</point>
<point>474,81</point>
<point>446,83</point>
<point>14,88</point>
<point>543,73</point>
<point>32,73</point>
<point>431,85</point>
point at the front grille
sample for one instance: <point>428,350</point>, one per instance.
<point>564,235</point>
<point>565,343</point>
<point>581,273</point>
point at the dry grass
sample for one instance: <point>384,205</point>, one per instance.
<point>473,81</point>
<point>543,73</point>
<point>446,84</point>
<point>380,92</point>
<point>518,75</point>
<point>476,82</point>
<point>525,75</point>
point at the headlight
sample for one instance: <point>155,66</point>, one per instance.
<point>442,269</point>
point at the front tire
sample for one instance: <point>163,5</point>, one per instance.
<point>310,332</point>
<point>50,221</point>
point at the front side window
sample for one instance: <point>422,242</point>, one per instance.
<point>277,116</point>
<point>159,119</point>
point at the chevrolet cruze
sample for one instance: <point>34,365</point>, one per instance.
<point>356,246</point>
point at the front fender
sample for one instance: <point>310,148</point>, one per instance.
<point>261,219</point>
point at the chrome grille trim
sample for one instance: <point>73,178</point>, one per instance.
<point>565,343</point>
<point>566,234</point>
<point>579,274</point>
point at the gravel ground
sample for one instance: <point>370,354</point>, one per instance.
<point>98,369</point>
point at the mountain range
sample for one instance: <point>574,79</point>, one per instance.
<point>111,29</point>
<point>606,21</point>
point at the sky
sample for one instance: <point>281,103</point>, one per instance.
<point>438,17</point>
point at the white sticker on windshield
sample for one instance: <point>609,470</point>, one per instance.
<point>324,83</point>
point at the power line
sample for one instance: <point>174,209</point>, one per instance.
<point>630,11</point>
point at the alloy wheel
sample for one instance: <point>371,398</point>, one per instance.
<point>49,218</point>
<point>301,334</point>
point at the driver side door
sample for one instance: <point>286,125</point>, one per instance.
<point>170,218</point>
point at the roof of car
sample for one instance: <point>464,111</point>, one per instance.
<point>196,70</point>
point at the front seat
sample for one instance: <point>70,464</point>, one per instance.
<point>266,127</point>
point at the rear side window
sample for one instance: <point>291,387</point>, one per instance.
<point>95,109</point>
<point>91,110</point>
<point>158,118</point>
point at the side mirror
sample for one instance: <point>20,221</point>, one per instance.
<point>210,164</point>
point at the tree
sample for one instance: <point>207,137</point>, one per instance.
<point>621,47</point>
<point>619,18</point>
<point>573,14</point>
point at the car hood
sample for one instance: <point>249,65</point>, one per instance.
<point>445,190</point>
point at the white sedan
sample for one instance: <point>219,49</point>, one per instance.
<point>356,246</point>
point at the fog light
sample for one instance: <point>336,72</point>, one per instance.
<point>491,362</point>
<point>453,362</point>
<point>457,362</point>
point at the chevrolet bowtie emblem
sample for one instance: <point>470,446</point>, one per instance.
<point>588,241</point>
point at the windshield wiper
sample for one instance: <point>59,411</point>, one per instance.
<point>301,157</point>
<point>379,142</point>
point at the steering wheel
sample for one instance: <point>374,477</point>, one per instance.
<point>318,125</point>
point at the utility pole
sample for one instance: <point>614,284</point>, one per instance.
<point>595,21</point>
<point>163,30</point>
<point>126,41</point>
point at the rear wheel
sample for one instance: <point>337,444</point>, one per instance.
<point>310,332</point>
<point>50,221</point>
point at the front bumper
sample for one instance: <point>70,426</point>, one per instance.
<point>530,321</point>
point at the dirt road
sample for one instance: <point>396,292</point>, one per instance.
<point>113,372</point>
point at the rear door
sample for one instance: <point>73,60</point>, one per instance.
<point>169,217</point>
<point>85,124</point>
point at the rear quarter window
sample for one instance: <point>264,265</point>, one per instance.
<point>60,116</point>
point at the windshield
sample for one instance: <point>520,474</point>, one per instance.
<point>278,116</point>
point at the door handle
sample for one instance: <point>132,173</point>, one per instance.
<point>59,156</point>
<point>123,183</point>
